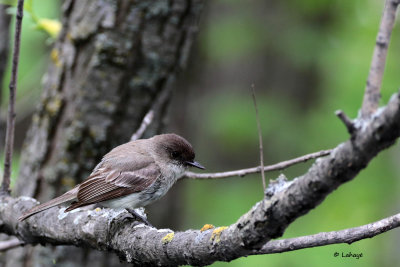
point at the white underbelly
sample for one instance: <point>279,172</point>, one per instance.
<point>158,189</point>
<point>136,200</point>
<point>130,201</point>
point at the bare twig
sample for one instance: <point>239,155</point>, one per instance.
<point>260,141</point>
<point>9,145</point>
<point>4,48</point>
<point>335,237</point>
<point>161,99</point>
<point>347,121</point>
<point>275,167</point>
<point>148,118</point>
<point>9,244</point>
<point>374,81</point>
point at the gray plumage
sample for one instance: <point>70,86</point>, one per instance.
<point>131,175</point>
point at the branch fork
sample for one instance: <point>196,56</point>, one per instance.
<point>349,123</point>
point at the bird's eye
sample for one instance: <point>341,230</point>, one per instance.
<point>174,154</point>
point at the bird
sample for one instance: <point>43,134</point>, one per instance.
<point>131,175</point>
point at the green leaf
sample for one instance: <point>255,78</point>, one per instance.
<point>9,2</point>
<point>28,6</point>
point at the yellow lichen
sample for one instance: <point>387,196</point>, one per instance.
<point>54,55</point>
<point>168,238</point>
<point>97,210</point>
<point>215,236</point>
<point>54,106</point>
<point>207,227</point>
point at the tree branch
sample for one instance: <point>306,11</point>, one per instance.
<point>9,145</point>
<point>348,236</point>
<point>156,109</point>
<point>148,118</point>
<point>347,121</point>
<point>116,231</point>
<point>4,47</point>
<point>243,172</point>
<point>374,81</point>
<point>10,244</point>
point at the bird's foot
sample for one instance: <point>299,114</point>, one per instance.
<point>137,216</point>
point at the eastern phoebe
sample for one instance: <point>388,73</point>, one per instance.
<point>131,175</point>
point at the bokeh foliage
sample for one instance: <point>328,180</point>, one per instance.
<point>35,47</point>
<point>333,40</point>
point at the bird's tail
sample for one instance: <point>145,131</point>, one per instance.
<point>68,196</point>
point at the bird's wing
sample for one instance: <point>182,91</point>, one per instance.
<point>116,177</point>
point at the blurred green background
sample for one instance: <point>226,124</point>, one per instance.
<point>307,59</point>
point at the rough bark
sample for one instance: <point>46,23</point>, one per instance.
<point>112,63</point>
<point>267,219</point>
<point>4,47</point>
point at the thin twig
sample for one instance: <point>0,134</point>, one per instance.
<point>374,81</point>
<point>335,237</point>
<point>4,45</point>
<point>260,141</point>
<point>5,19</point>
<point>156,108</point>
<point>9,244</point>
<point>275,167</point>
<point>148,118</point>
<point>9,145</point>
<point>347,121</point>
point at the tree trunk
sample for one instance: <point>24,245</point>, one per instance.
<point>113,62</point>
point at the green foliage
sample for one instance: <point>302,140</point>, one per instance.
<point>338,38</point>
<point>50,26</point>
<point>233,36</point>
<point>33,59</point>
<point>9,2</point>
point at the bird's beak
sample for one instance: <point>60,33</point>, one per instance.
<point>195,164</point>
